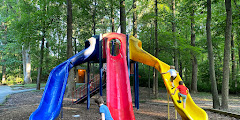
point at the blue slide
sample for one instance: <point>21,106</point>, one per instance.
<point>51,102</point>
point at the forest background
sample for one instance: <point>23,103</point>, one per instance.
<point>200,37</point>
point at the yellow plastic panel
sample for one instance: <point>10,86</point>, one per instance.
<point>192,111</point>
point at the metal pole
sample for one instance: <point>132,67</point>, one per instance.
<point>88,85</point>
<point>136,84</point>
<point>128,56</point>
<point>168,106</point>
<point>100,62</point>
<point>62,112</point>
<point>113,48</point>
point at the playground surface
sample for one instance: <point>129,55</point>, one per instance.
<point>19,106</point>
<point>6,90</point>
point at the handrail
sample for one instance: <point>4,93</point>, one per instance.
<point>81,91</point>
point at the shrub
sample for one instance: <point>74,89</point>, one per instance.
<point>19,80</point>
<point>12,80</point>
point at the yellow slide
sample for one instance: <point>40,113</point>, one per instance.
<point>192,111</point>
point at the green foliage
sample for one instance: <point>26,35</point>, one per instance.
<point>27,85</point>
<point>24,22</point>
<point>12,80</point>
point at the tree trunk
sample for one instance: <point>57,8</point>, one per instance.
<point>3,73</point>
<point>174,36</point>
<point>194,59</point>
<point>112,16</point>
<point>180,69</point>
<point>238,63</point>
<point>216,104</point>
<point>157,49</point>
<point>149,73</point>
<point>122,17</point>
<point>94,14</point>
<point>234,79</point>
<point>26,64</point>
<point>24,61</point>
<point>134,19</point>
<point>47,55</point>
<point>104,26</point>
<point>149,82</point>
<point>39,77</point>
<point>153,86</point>
<point>71,83</point>
<point>4,42</point>
<point>58,48</point>
<point>154,81</point>
<point>4,78</point>
<point>225,81</point>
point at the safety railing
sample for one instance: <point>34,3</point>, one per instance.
<point>81,92</point>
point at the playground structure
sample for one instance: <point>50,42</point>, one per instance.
<point>118,89</point>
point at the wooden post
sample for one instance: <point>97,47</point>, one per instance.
<point>175,114</point>
<point>168,106</point>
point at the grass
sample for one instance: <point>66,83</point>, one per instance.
<point>7,97</point>
<point>142,101</point>
<point>37,90</point>
<point>27,85</point>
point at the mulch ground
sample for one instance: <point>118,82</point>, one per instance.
<point>20,106</point>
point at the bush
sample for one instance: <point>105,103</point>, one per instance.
<point>12,80</point>
<point>204,87</point>
<point>0,77</point>
<point>19,80</point>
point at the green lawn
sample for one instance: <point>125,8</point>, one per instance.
<point>28,85</point>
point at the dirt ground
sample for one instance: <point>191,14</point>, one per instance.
<point>20,106</point>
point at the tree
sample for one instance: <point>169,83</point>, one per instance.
<point>26,64</point>
<point>112,16</point>
<point>71,82</point>
<point>156,44</point>
<point>228,29</point>
<point>4,78</point>
<point>174,35</point>
<point>216,104</point>
<point>4,42</point>
<point>194,59</point>
<point>234,79</point>
<point>134,19</point>
<point>42,48</point>
<point>93,18</point>
<point>122,17</point>
<point>41,61</point>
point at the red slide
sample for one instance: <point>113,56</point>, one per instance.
<point>119,99</point>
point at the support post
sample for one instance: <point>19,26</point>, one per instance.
<point>62,112</point>
<point>175,114</point>
<point>168,106</point>
<point>136,79</point>
<point>128,57</point>
<point>88,85</point>
<point>113,46</point>
<point>100,63</point>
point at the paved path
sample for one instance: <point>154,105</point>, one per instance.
<point>6,90</point>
